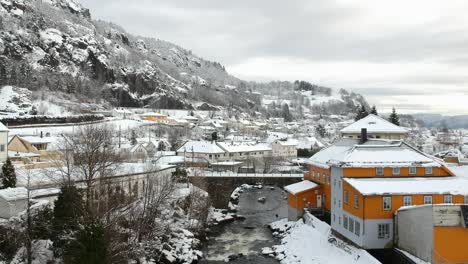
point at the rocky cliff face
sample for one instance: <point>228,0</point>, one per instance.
<point>54,45</point>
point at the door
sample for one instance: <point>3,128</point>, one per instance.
<point>319,201</point>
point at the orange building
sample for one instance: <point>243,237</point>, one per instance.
<point>155,117</point>
<point>362,182</point>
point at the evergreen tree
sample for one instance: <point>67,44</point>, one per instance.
<point>362,112</point>
<point>67,215</point>
<point>394,118</point>
<point>374,110</point>
<point>90,246</point>
<point>321,130</point>
<point>286,114</point>
<point>8,175</point>
<point>133,138</point>
<point>3,75</point>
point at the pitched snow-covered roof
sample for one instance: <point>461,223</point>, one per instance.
<point>3,128</point>
<point>299,187</point>
<point>201,147</point>
<point>410,185</point>
<point>374,124</point>
<point>12,194</point>
<point>386,155</point>
<point>243,146</point>
<point>373,153</point>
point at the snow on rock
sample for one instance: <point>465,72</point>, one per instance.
<point>305,244</point>
<point>221,216</point>
<point>261,199</point>
<point>52,36</point>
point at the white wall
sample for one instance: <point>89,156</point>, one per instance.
<point>371,238</point>
<point>4,142</point>
<point>415,231</point>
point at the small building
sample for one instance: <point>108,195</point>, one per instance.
<point>155,117</point>
<point>232,166</point>
<point>376,127</point>
<point>433,233</point>
<point>20,149</point>
<point>284,148</point>
<point>301,195</point>
<point>3,142</point>
<point>13,201</point>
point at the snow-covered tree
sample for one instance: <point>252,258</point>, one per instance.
<point>361,113</point>
<point>8,175</point>
<point>394,118</point>
<point>374,110</point>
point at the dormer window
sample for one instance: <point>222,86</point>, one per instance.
<point>428,171</point>
<point>380,171</point>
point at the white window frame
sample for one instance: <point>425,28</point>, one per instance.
<point>428,171</point>
<point>345,221</point>
<point>356,201</point>
<point>379,171</point>
<point>412,170</point>
<point>466,199</point>
<point>351,225</point>
<point>345,195</point>
<point>427,199</point>
<point>407,200</point>
<point>383,231</point>
<point>357,228</point>
<point>448,199</point>
<point>387,200</point>
<point>396,171</point>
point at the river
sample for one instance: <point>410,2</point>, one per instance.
<point>249,236</point>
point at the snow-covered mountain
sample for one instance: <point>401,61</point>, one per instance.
<point>55,45</point>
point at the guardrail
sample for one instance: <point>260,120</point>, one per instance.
<point>244,175</point>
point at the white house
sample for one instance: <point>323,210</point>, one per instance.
<point>3,142</point>
<point>284,148</point>
<point>13,201</point>
<point>376,126</point>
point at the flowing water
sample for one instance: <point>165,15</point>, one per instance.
<point>249,236</point>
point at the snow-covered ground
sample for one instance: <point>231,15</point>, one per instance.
<point>308,244</point>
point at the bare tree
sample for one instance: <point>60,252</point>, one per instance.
<point>94,156</point>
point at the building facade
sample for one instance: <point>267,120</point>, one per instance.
<point>3,143</point>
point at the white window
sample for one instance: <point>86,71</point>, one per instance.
<point>412,170</point>
<point>356,201</point>
<point>313,174</point>
<point>428,170</point>
<point>387,203</point>
<point>345,197</point>
<point>339,220</point>
<point>2,147</point>
<point>380,171</point>
<point>334,182</point>
<point>448,199</point>
<point>384,231</point>
<point>357,228</point>
<point>339,183</point>
<point>334,218</point>
<point>351,225</point>
<point>427,199</point>
<point>318,176</point>
<point>334,201</point>
<point>396,171</point>
<point>407,200</point>
<point>345,221</point>
<point>466,199</point>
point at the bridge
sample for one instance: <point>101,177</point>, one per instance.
<point>220,185</point>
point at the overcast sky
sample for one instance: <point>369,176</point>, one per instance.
<point>409,54</point>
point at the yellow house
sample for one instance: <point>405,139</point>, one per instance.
<point>155,117</point>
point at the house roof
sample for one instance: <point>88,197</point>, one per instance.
<point>243,146</point>
<point>3,128</point>
<point>410,185</point>
<point>201,147</point>
<point>373,153</point>
<point>299,187</point>
<point>374,124</point>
